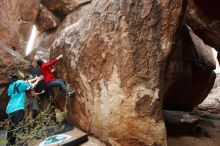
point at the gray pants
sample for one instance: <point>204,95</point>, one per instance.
<point>58,82</point>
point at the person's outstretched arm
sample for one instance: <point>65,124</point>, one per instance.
<point>36,81</point>
<point>26,85</point>
<point>52,62</point>
<point>32,80</point>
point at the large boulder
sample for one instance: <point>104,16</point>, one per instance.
<point>17,18</point>
<point>46,20</point>
<point>63,7</point>
<point>189,74</point>
<point>204,18</point>
<point>45,38</point>
<point>114,55</point>
<point>212,102</point>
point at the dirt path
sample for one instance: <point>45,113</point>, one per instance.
<point>210,136</point>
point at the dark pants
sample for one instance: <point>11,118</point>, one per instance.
<point>15,118</point>
<point>58,82</point>
<point>41,86</point>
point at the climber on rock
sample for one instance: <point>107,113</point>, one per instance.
<point>49,78</point>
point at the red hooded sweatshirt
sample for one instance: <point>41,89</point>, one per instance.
<point>46,72</point>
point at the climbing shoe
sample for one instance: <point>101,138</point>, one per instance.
<point>71,93</point>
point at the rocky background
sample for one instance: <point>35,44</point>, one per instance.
<point>126,59</point>
<point>16,21</point>
<point>212,102</point>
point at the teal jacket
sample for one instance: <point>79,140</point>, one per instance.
<point>16,92</point>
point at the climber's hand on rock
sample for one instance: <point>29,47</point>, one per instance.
<point>59,57</point>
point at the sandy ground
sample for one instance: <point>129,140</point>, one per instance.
<point>93,142</point>
<point>210,138</point>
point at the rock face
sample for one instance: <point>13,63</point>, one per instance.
<point>121,57</point>
<point>17,18</point>
<point>189,74</point>
<point>46,20</point>
<point>63,7</point>
<point>45,39</point>
<point>212,102</point>
<point>113,58</point>
<point>204,18</point>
